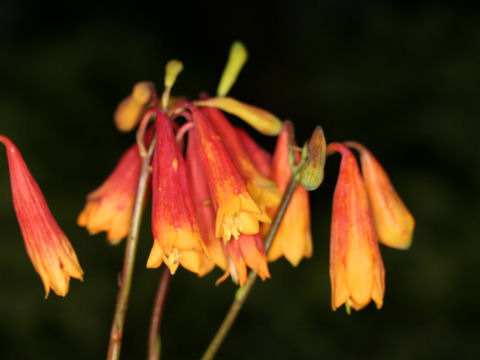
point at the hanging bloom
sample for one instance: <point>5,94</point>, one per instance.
<point>51,253</point>
<point>205,210</point>
<point>393,222</point>
<point>247,250</point>
<point>293,239</point>
<point>110,207</point>
<point>174,225</point>
<point>237,212</point>
<point>260,157</point>
<point>356,268</point>
<point>263,190</point>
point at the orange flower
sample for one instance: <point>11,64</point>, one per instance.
<point>262,189</point>
<point>204,209</point>
<point>175,229</point>
<point>247,250</point>
<point>356,269</point>
<point>109,208</point>
<point>51,253</point>
<point>393,222</point>
<point>237,212</point>
<point>293,239</point>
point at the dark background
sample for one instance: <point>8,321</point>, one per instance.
<point>398,77</point>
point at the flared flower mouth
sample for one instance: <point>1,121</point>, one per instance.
<point>109,208</point>
<point>237,212</point>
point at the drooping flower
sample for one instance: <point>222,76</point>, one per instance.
<point>48,248</point>
<point>393,222</point>
<point>357,273</point>
<point>237,212</point>
<point>205,210</point>
<point>175,229</point>
<point>262,189</point>
<point>109,208</point>
<point>293,239</point>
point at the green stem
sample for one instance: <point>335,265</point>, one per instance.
<point>116,333</point>
<point>243,292</point>
<point>154,342</point>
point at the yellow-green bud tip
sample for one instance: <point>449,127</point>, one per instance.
<point>236,60</point>
<point>313,171</point>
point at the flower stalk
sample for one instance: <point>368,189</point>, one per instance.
<point>116,333</point>
<point>154,340</point>
<point>243,292</point>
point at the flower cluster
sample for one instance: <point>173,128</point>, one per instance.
<point>215,192</point>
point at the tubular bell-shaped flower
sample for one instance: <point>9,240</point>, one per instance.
<point>48,248</point>
<point>263,190</point>
<point>109,208</point>
<point>393,222</point>
<point>205,210</point>
<point>293,239</point>
<point>357,273</point>
<point>237,212</point>
<point>174,225</point>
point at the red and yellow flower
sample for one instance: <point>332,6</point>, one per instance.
<point>237,212</point>
<point>357,273</point>
<point>48,248</point>
<point>175,229</point>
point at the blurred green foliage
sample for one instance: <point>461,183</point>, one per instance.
<point>402,79</point>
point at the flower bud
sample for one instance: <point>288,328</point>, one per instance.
<point>130,110</point>
<point>312,173</point>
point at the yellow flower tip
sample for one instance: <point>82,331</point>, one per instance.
<point>262,120</point>
<point>236,60</point>
<point>241,216</point>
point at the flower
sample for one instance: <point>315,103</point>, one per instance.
<point>262,189</point>
<point>237,212</point>
<point>51,253</point>
<point>175,229</point>
<point>205,210</point>
<point>357,273</point>
<point>393,222</point>
<point>109,208</point>
<point>247,250</point>
<point>293,239</point>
